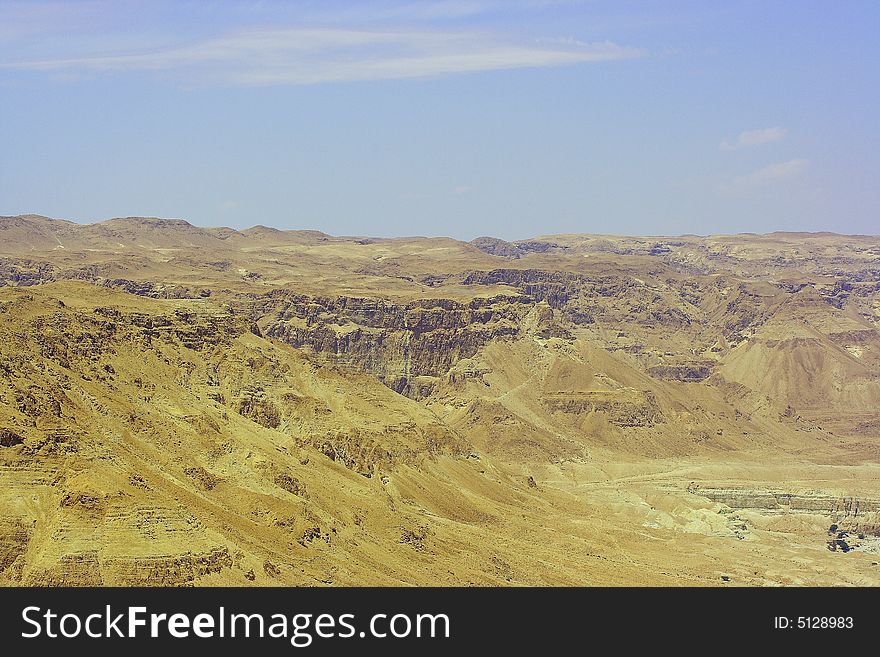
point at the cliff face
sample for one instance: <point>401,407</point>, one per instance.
<point>858,516</point>
<point>411,345</point>
<point>407,346</point>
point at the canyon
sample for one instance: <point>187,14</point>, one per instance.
<point>207,406</point>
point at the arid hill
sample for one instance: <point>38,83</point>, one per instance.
<point>202,406</point>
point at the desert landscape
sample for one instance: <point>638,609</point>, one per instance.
<point>207,406</point>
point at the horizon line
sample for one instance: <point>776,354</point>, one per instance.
<point>241,231</point>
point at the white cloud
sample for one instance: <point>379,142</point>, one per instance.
<point>296,55</point>
<point>768,176</point>
<point>752,138</point>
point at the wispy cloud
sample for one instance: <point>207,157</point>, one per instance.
<point>298,55</point>
<point>422,10</point>
<point>752,138</point>
<point>430,10</point>
<point>767,176</point>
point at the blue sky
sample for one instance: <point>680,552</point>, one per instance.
<point>461,118</point>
